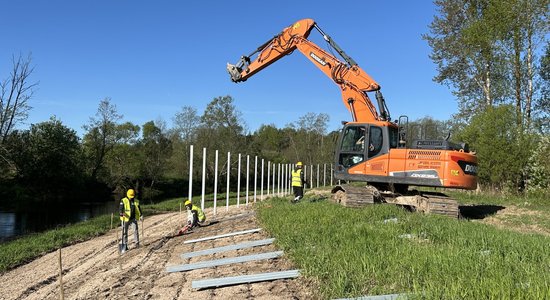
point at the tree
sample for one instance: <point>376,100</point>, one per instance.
<point>48,159</point>
<point>307,138</point>
<point>486,49</point>
<point>466,54</point>
<point>501,147</point>
<point>122,162</point>
<point>101,135</point>
<point>15,93</point>
<point>222,125</point>
<point>185,123</point>
<point>156,149</point>
<point>542,105</point>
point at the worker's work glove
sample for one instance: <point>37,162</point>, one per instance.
<point>141,218</point>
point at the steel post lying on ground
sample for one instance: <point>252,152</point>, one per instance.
<point>223,261</point>
<point>222,236</point>
<point>244,245</point>
<point>224,281</point>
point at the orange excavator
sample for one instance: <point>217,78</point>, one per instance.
<point>372,148</point>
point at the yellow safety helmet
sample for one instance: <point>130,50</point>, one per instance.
<point>187,202</point>
<point>299,164</point>
<point>130,193</point>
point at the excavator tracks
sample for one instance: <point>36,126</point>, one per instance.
<point>353,196</point>
<point>426,202</point>
<point>438,203</point>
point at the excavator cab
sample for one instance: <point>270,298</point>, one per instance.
<point>361,142</point>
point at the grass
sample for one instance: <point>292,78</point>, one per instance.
<point>24,249</point>
<point>356,252</point>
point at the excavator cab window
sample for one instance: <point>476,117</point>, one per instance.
<point>352,150</point>
<point>394,137</point>
<point>375,141</point>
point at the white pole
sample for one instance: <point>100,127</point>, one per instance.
<point>239,181</point>
<point>215,180</point>
<point>247,176</point>
<point>203,176</point>
<point>255,176</point>
<point>324,174</point>
<point>273,181</point>
<point>286,179</point>
<point>311,176</point>
<point>227,188</point>
<point>279,179</point>
<point>190,172</point>
<point>317,175</point>
<point>262,182</point>
<point>331,173</point>
<point>268,175</point>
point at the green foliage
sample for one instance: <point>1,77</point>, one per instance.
<point>502,149</point>
<point>484,50</point>
<point>48,153</point>
<point>382,249</point>
<point>539,168</point>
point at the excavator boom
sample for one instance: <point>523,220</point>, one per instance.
<point>352,80</point>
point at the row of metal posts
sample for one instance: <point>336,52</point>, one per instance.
<point>280,173</point>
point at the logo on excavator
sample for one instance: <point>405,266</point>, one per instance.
<point>318,59</point>
<point>468,168</point>
<point>296,25</point>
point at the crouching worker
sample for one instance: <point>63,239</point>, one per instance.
<point>195,215</point>
<point>130,213</point>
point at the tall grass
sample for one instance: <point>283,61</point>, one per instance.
<point>382,249</point>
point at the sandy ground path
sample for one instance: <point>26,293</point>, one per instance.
<point>94,269</point>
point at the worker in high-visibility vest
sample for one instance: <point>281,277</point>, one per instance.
<point>298,182</point>
<point>195,214</point>
<point>130,213</point>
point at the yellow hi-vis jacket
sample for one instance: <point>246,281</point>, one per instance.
<point>200,213</point>
<point>128,210</point>
<point>297,177</point>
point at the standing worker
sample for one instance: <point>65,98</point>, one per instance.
<point>298,182</point>
<point>130,213</point>
<point>196,213</point>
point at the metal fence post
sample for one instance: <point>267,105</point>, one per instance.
<point>239,182</point>
<point>215,181</point>
<point>203,176</point>
<point>190,172</point>
<point>227,188</point>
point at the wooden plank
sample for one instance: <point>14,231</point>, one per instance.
<point>224,281</point>
<point>222,236</point>
<point>223,261</point>
<point>228,248</point>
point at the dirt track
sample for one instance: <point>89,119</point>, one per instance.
<point>94,269</point>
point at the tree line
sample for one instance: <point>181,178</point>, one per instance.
<point>50,163</point>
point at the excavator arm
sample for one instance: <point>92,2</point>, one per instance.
<point>354,83</point>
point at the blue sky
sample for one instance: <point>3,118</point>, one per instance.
<point>154,57</point>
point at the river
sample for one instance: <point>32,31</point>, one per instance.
<point>14,224</point>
